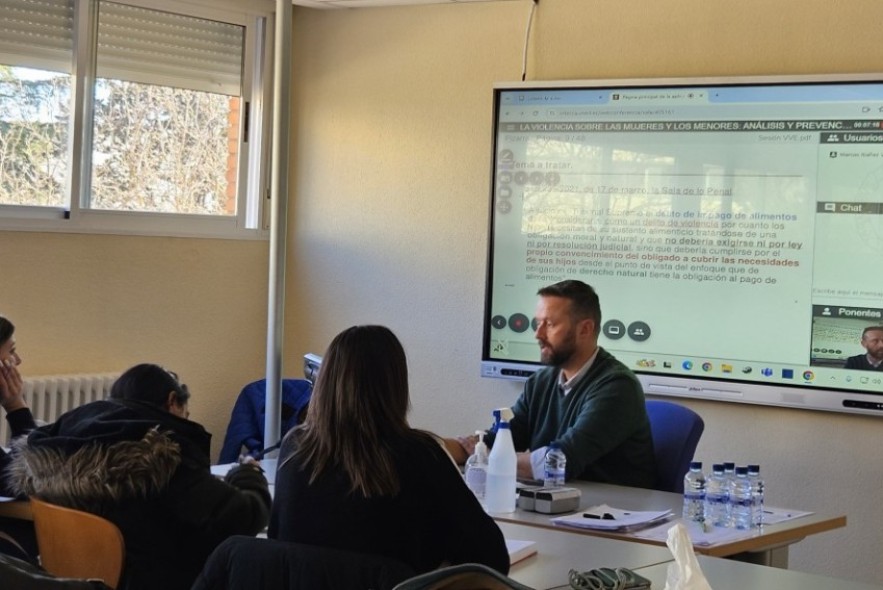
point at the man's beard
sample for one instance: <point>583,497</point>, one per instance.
<point>556,357</point>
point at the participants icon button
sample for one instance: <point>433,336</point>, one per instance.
<point>639,331</point>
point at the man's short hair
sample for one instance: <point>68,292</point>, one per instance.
<point>871,329</point>
<point>584,301</point>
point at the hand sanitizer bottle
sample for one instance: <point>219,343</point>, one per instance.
<point>476,468</point>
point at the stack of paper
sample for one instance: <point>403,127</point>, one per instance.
<point>608,518</point>
<point>519,550</point>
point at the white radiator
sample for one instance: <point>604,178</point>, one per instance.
<point>50,397</point>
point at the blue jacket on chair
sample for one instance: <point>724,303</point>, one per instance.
<point>246,428</point>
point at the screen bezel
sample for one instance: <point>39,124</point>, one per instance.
<point>659,383</point>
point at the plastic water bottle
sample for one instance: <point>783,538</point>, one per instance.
<point>500,488</point>
<point>694,493</point>
<point>741,500</point>
<point>476,468</point>
<point>555,464</point>
<point>717,496</point>
<point>729,471</point>
<point>757,493</point>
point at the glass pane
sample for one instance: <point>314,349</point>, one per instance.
<point>34,109</point>
<point>166,113</point>
<point>164,149</point>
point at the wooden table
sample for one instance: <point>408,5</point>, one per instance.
<point>725,574</point>
<point>16,509</point>
<point>558,553</point>
<point>766,546</point>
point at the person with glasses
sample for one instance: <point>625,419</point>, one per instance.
<point>137,460</point>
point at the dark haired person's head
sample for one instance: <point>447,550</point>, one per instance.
<point>8,353</point>
<point>359,403</point>
<point>584,303</point>
<point>864,332</point>
<point>568,320</point>
<point>154,385</point>
<point>363,383</point>
<point>872,340</point>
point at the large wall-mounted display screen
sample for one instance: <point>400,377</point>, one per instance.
<point>733,229</point>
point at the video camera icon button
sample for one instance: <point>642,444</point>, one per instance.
<point>614,329</point>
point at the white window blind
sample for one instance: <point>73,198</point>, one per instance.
<point>37,34</point>
<point>155,47</point>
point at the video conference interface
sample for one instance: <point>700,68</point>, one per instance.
<point>733,232</point>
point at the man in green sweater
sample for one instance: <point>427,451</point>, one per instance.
<point>585,400</point>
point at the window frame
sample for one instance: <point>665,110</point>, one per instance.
<point>251,220</point>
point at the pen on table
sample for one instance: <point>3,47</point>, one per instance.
<point>605,516</point>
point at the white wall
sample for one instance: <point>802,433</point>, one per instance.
<point>390,177</point>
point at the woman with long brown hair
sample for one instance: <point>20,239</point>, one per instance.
<point>355,476</point>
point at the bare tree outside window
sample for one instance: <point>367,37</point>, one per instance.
<point>156,148</point>
<point>34,110</point>
<point>163,149</point>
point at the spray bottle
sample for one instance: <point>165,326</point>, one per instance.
<point>502,466</point>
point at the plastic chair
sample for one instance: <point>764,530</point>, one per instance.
<point>246,428</point>
<point>676,431</point>
<point>75,544</point>
<point>248,563</point>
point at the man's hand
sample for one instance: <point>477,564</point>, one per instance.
<point>468,443</point>
<point>11,388</point>
<point>461,448</point>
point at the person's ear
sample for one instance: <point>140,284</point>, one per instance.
<point>171,401</point>
<point>587,327</point>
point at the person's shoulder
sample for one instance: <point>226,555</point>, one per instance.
<point>605,362</point>
<point>607,370</point>
<point>541,377</point>
<point>855,361</point>
<point>421,447</point>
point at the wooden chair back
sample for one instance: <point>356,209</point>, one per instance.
<point>76,544</point>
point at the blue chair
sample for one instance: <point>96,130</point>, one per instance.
<point>676,431</point>
<point>246,428</point>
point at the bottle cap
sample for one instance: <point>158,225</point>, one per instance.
<point>729,465</point>
<point>741,471</point>
<point>718,467</point>
<point>695,464</point>
<point>754,469</point>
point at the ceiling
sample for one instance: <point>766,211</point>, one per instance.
<point>338,4</point>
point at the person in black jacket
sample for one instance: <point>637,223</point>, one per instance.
<point>137,461</point>
<point>356,477</point>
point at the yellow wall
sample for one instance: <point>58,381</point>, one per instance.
<point>390,176</point>
<point>98,303</point>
